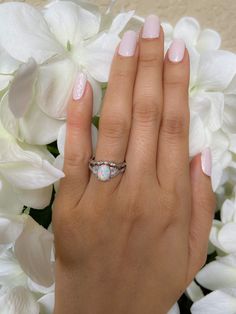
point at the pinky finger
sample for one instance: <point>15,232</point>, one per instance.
<point>78,144</point>
<point>203,206</point>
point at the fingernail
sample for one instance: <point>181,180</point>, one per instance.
<point>79,87</point>
<point>151,28</point>
<point>128,44</point>
<point>206,160</point>
<point>176,50</point>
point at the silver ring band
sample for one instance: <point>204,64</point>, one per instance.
<point>105,170</point>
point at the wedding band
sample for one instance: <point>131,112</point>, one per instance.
<point>105,170</point>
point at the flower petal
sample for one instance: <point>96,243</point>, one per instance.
<point>9,200</point>
<point>61,139</point>
<point>70,23</point>
<point>194,292</point>
<point>197,137</point>
<point>11,227</point>
<point>228,211</point>
<point>54,87</point>
<point>4,81</point>
<point>47,303</point>
<point>217,275</point>
<point>187,29</point>
<point>33,251</point>
<point>24,168</point>
<point>97,56</point>
<point>34,128</point>
<point>217,110</point>
<point>8,65</point>
<point>217,302</point>
<point>208,40</point>
<point>23,23</point>
<point>211,64</point>
<point>229,124</point>
<point>37,199</point>
<point>22,87</point>
<point>227,236</point>
<point>120,22</point>
<point>17,301</point>
<point>174,309</point>
<point>11,274</point>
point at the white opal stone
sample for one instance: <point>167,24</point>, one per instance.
<point>104,172</point>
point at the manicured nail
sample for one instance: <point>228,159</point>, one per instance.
<point>128,44</point>
<point>79,87</point>
<point>206,160</point>
<point>176,50</point>
<point>151,28</point>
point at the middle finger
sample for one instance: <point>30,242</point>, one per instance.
<point>148,98</point>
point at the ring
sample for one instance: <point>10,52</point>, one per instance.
<point>105,170</point>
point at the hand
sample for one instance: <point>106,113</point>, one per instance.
<point>132,244</point>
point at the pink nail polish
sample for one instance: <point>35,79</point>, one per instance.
<point>176,50</point>
<point>128,44</point>
<point>79,87</point>
<point>206,160</point>
<point>151,28</point>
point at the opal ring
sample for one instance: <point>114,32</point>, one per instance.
<point>105,170</point>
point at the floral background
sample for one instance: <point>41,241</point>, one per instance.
<point>28,170</point>
<point>216,14</point>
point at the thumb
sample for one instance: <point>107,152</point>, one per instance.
<point>203,206</point>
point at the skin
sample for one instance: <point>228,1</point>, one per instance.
<point>133,244</point>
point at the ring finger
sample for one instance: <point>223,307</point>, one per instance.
<point>115,119</point>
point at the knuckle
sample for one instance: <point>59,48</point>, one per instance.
<point>76,159</point>
<point>175,126</point>
<point>146,110</point>
<point>114,127</point>
<point>177,80</point>
<point>122,74</point>
<point>150,59</point>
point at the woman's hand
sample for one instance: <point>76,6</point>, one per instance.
<point>132,244</point>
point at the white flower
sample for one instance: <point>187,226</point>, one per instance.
<point>17,301</point>
<point>26,174</point>
<point>32,246</point>
<point>27,257</point>
<point>194,292</point>
<point>219,274</point>
<point>218,302</point>
<point>223,233</point>
<point>53,45</point>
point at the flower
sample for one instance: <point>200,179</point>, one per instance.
<point>223,232</point>
<point>26,174</point>
<point>32,244</point>
<point>61,40</point>
<point>218,302</point>
<point>26,265</point>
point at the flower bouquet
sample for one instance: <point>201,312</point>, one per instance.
<point>41,52</point>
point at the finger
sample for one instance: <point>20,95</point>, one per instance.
<point>203,205</point>
<point>173,148</point>
<point>78,144</point>
<point>115,119</point>
<point>148,98</point>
